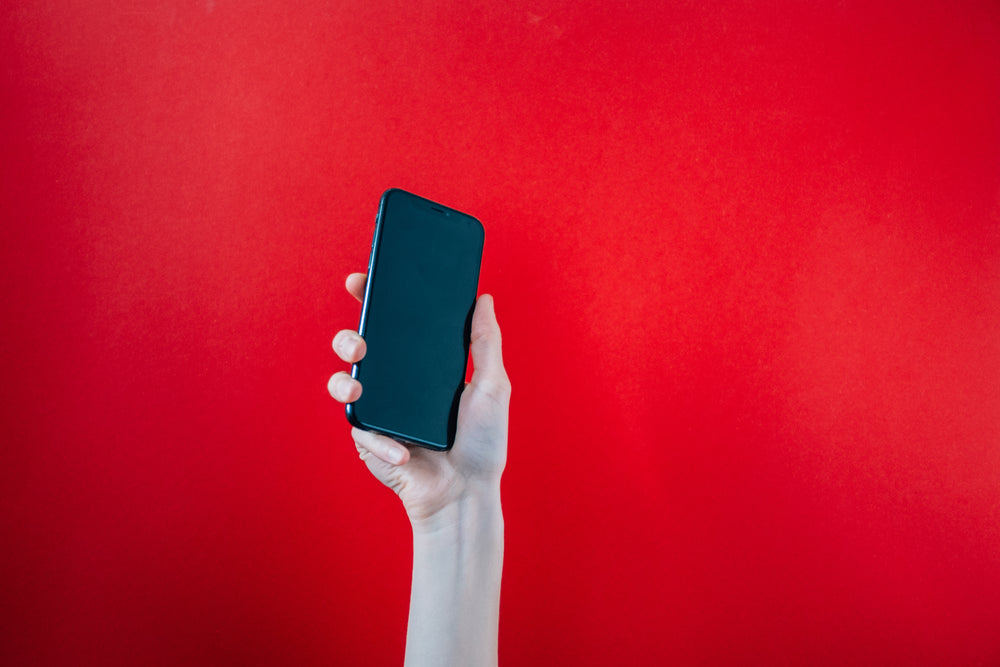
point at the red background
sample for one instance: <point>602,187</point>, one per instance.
<point>746,260</point>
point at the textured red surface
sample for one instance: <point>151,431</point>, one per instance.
<point>747,263</point>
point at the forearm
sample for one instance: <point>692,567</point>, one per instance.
<point>455,595</point>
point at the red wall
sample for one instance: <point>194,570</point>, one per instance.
<point>747,264</point>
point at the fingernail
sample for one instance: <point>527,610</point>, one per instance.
<point>395,455</point>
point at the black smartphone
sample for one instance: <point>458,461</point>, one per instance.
<point>423,275</point>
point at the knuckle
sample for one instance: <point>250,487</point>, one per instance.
<point>498,387</point>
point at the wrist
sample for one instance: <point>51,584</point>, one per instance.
<point>474,513</point>
<point>455,592</point>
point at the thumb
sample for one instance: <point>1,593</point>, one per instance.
<point>487,355</point>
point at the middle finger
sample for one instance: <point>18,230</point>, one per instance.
<point>349,346</point>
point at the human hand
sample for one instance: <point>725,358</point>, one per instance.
<point>429,482</point>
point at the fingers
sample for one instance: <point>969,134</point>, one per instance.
<point>349,346</point>
<point>384,448</point>
<point>343,387</point>
<point>487,355</point>
<point>356,285</point>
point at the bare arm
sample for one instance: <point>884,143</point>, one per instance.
<point>453,502</point>
<point>455,594</point>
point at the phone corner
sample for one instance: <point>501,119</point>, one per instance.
<point>351,412</point>
<point>388,192</point>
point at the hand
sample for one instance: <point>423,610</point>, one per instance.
<point>428,481</point>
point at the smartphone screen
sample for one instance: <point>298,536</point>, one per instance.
<point>423,275</point>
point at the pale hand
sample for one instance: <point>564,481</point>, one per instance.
<point>428,481</point>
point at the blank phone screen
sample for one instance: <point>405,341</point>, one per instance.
<point>423,278</point>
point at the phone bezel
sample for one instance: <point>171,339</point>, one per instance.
<point>446,211</point>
